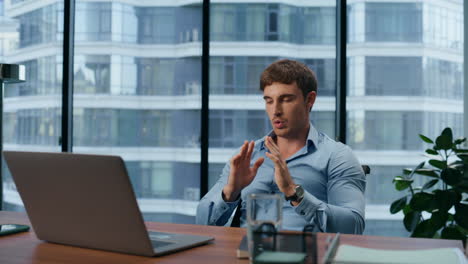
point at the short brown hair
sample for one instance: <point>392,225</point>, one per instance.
<point>287,72</point>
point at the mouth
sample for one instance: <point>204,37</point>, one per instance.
<point>279,124</point>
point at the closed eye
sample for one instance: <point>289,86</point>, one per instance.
<point>268,100</point>
<point>288,98</point>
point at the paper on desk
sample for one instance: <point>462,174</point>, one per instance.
<point>352,254</point>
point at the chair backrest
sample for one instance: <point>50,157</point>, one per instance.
<point>366,169</point>
<point>236,219</point>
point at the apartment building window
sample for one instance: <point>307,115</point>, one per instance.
<point>156,25</point>
<point>256,19</point>
<point>325,72</point>
<point>442,78</point>
<point>223,124</point>
<point>156,76</point>
<point>129,23</point>
<point>40,26</point>
<point>222,79</point>
<point>319,25</point>
<point>92,74</point>
<point>399,76</point>
<point>157,178</point>
<point>93,21</point>
<point>223,23</point>
<point>324,121</point>
<point>250,124</point>
<point>390,130</point>
<point>443,26</point>
<point>273,22</point>
<point>255,67</point>
<point>272,31</point>
<point>43,75</point>
<point>394,22</point>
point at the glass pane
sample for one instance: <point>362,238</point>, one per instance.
<point>32,36</point>
<point>245,39</point>
<point>137,94</point>
<point>405,76</point>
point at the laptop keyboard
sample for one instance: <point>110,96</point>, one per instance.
<point>157,239</point>
<point>158,243</point>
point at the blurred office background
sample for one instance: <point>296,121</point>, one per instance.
<point>137,86</point>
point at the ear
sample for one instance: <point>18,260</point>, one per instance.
<point>310,100</point>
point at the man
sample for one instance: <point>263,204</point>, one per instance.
<point>321,180</point>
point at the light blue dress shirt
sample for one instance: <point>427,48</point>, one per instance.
<point>332,178</point>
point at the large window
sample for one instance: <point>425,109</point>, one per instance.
<point>245,39</point>
<point>32,110</point>
<point>405,78</point>
<point>140,100</point>
<point>138,85</point>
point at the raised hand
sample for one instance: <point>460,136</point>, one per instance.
<point>241,173</point>
<point>282,177</point>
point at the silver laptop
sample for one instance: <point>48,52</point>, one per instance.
<point>87,201</point>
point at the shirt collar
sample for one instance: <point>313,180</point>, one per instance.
<point>312,137</point>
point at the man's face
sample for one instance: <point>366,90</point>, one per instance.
<point>287,109</point>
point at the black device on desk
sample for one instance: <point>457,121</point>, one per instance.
<point>12,229</point>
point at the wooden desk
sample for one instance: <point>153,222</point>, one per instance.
<point>26,248</point>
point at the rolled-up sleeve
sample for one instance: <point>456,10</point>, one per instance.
<point>344,210</point>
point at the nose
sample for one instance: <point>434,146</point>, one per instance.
<point>278,109</point>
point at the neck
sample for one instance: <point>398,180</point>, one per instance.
<point>290,145</point>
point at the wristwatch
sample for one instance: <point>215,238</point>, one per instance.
<point>297,196</point>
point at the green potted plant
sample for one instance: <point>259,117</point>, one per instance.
<point>438,208</point>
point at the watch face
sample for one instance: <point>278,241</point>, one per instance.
<point>299,191</point>
<point>297,196</point>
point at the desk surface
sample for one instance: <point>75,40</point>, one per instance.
<point>26,248</point>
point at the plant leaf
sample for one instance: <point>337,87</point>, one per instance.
<point>427,172</point>
<point>407,209</point>
<point>429,184</point>
<point>445,140</point>
<point>452,232</point>
<point>411,220</point>
<point>458,141</point>
<point>402,184</point>
<point>422,201</point>
<point>445,199</point>
<point>451,176</point>
<point>439,219</point>
<point>424,229</point>
<point>450,217</point>
<point>458,164</point>
<point>461,215</point>
<point>420,165</point>
<point>398,205</point>
<point>463,157</point>
<point>438,164</point>
<point>426,139</point>
<point>457,150</point>
<point>397,178</point>
<point>432,152</point>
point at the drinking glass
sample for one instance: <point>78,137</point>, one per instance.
<point>262,208</point>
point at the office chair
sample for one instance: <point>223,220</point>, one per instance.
<point>236,219</point>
